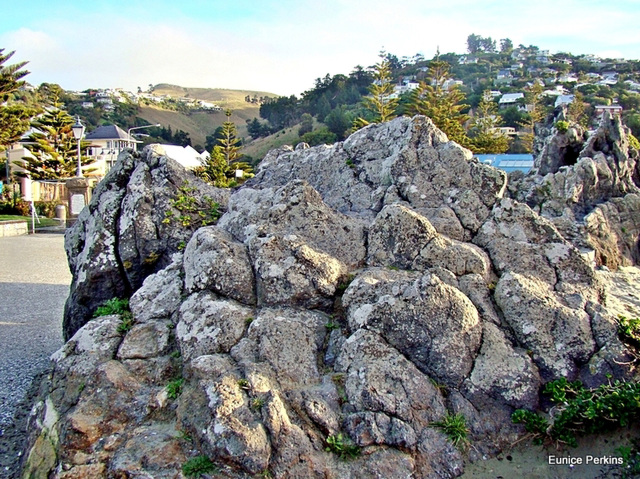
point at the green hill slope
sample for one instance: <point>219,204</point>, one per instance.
<point>199,124</point>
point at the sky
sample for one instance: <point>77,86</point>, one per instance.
<point>282,46</point>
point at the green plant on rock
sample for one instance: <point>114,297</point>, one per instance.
<point>580,410</point>
<point>257,404</point>
<point>243,384</point>
<point>340,381</point>
<point>331,325</point>
<point>629,330</point>
<point>342,446</point>
<point>630,459</point>
<point>193,210</point>
<point>126,323</point>
<point>197,466</point>
<point>454,426</point>
<point>562,126</point>
<point>112,306</point>
<point>344,284</point>
<point>174,388</point>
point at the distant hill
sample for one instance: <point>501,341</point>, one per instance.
<point>201,124</point>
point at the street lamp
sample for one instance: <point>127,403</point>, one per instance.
<point>78,133</point>
<point>138,127</point>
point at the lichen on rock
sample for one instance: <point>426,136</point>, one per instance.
<point>353,295</point>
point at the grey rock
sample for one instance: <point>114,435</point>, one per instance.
<point>122,236</point>
<point>419,315</point>
<point>208,324</point>
<point>380,379</point>
<point>160,294</point>
<point>559,336</point>
<point>213,260</point>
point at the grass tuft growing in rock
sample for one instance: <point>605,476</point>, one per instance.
<point>454,426</point>
<point>342,447</point>
<point>198,465</point>
<point>119,306</point>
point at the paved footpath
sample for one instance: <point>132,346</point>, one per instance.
<point>34,285</point>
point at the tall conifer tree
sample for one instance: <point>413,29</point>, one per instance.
<point>440,102</point>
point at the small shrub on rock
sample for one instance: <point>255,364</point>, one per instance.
<point>562,126</point>
<point>342,447</point>
<point>580,410</point>
<point>174,388</point>
<point>112,306</point>
<point>198,465</point>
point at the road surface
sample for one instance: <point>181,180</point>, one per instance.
<point>34,284</point>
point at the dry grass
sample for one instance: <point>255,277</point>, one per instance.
<point>201,124</point>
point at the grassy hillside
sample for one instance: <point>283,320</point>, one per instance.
<point>259,147</point>
<point>201,124</point>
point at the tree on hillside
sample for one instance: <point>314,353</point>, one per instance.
<point>221,167</point>
<point>537,113</point>
<point>441,103</point>
<point>484,137</point>
<point>577,110</point>
<point>379,101</point>
<point>229,143</point>
<point>306,125</point>
<point>506,46</point>
<point>53,146</point>
<point>477,44</point>
<point>256,129</point>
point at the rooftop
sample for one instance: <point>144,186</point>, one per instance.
<point>109,132</point>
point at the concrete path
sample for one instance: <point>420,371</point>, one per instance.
<point>34,285</point>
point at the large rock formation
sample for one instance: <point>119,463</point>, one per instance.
<point>358,292</point>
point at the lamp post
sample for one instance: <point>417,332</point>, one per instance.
<point>78,133</point>
<point>139,127</point>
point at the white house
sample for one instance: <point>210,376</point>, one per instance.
<point>563,100</point>
<point>106,144</point>
<point>613,109</point>
<point>509,99</point>
<point>187,156</point>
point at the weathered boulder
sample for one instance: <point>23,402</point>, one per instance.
<point>402,238</point>
<point>213,260</point>
<point>129,230</point>
<point>560,149</point>
<point>349,300</point>
<point>419,315</point>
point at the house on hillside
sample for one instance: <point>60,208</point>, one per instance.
<point>106,144</point>
<point>613,109</point>
<point>568,78</point>
<point>563,100</point>
<point>510,99</point>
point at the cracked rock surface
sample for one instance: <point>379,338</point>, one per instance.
<point>366,289</point>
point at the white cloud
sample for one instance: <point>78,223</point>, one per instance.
<point>283,46</point>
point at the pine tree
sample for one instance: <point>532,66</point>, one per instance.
<point>229,143</point>
<point>484,138</point>
<point>14,117</point>
<point>379,101</point>
<point>537,112</point>
<point>10,75</point>
<point>220,169</point>
<point>440,103</point>
<point>53,146</point>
